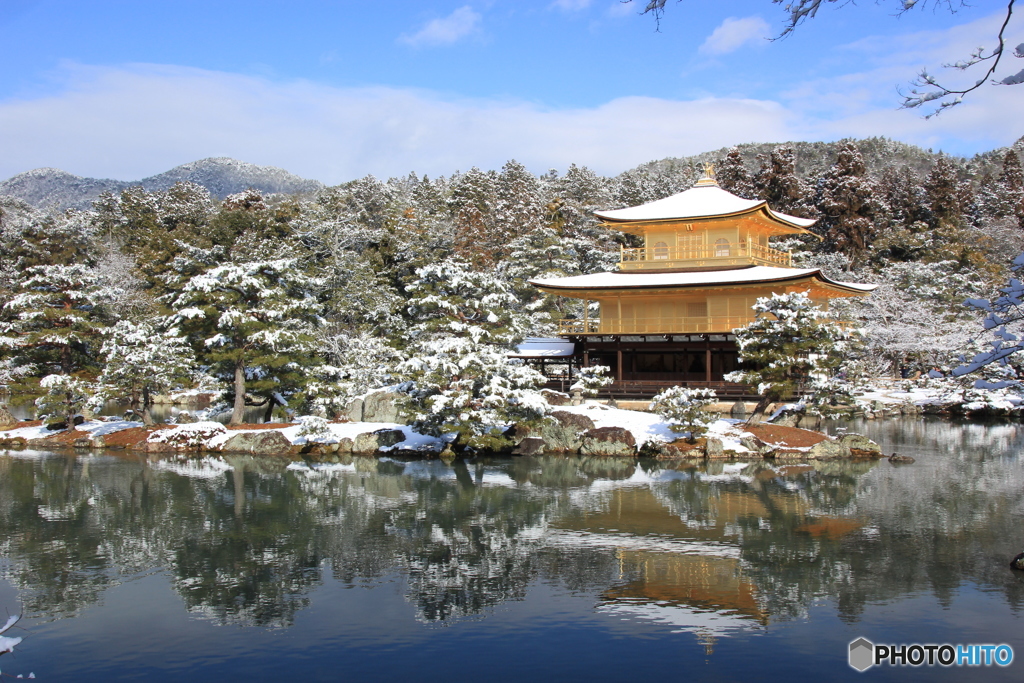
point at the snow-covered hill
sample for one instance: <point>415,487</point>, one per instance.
<point>51,187</point>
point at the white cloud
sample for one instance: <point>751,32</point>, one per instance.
<point>133,121</point>
<point>571,5</point>
<point>456,26</point>
<point>733,33</point>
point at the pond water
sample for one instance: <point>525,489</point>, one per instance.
<point>512,569</point>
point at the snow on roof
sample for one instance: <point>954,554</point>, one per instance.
<point>544,347</point>
<point>753,274</point>
<point>705,200</point>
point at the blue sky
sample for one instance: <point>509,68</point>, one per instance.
<point>337,90</point>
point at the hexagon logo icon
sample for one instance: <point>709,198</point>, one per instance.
<point>862,654</point>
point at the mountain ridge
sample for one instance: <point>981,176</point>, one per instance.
<point>221,176</point>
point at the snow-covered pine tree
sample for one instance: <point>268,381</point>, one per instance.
<point>592,379</point>
<point>519,206</point>
<point>354,364</point>
<point>63,398</point>
<point>846,202</point>
<point>777,182</point>
<point>465,387</point>
<point>1008,201</point>
<point>252,322</point>
<point>472,204</point>
<point>53,323</point>
<point>141,361</point>
<point>732,175</point>
<point>788,343</point>
<point>685,409</point>
<point>461,379</point>
<point>451,299</point>
<point>945,194</point>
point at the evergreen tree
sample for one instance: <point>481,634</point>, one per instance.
<point>732,175</point>
<point>846,203</point>
<point>519,206</point>
<point>945,197</point>
<point>472,204</point>
<point>461,380</point>
<point>63,397</point>
<point>685,409</point>
<point>252,321</point>
<point>787,345</point>
<point>354,364</point>
<point>450,299</point>
<point>54,321</point>
<point>776,181</point>
<point>141,361</point>
<point>1009,190</point>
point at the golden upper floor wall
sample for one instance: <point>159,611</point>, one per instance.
<point>703,227</point>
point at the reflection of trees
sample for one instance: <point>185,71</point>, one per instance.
<point>245,542</point>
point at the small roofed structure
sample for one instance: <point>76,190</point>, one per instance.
<point>549,353</point>
<point>668,313</point>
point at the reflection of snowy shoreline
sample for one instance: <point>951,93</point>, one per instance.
<point>682,618</point>
<point>584,539</point>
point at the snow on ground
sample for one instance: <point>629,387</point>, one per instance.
<point>942,391</point>
<point>92,427</point>
<point>644,426</point>
<point>39,432</point>
<point>98,428</point>
<point>650,427</point>
<point>214,435</point>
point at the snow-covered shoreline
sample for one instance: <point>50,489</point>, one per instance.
<point>591,429</point>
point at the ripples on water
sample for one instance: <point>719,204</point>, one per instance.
<point>584,568</point>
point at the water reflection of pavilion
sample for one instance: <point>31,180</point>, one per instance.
<point>680,565</point>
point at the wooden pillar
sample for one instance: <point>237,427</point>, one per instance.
<point>707,358</point>
<point>618,353</point>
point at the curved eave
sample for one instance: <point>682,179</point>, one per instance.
<point>784,223</point>
<point>841,288</point>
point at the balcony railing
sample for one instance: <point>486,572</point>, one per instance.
<point>661,325</point>
<point>724,253</point>
<point>719,324</point>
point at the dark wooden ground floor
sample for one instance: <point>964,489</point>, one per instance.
<point>644,365</point>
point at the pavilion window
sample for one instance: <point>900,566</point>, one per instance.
<point>661,251</point>
<point>722,247</point>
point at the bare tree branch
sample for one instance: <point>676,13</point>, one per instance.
<point>925,88</point>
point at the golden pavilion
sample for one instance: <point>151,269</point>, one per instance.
<point>668,313</point>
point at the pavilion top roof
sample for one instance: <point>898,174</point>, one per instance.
<point>704,200</point>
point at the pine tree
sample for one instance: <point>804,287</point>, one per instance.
<point>788,343</point>
<point>943,190</point>
<point>473,203</point>
<point>846,203</point>
<point>354,364</point>
<point>63,397</point>
<point>685,409</point>
<point>54,322</point>
<point>451,299</point>
<point>461,380</point>
<point>1009,190</point>
<point>732,175</point>
<point>141,361</point>
<point>777,183</point>
<point>519,205</point>
<point>252,321</point>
